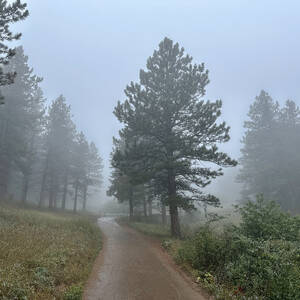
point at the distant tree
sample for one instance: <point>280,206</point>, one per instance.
<point>80,165</point>
<point>122,190</point>
<point>93,176</point>
<point>124,187</point>
<point>9,14</point>
<point>20,123</point>
<point>270,162</point>
<point>172,131</point>
<point>258,152</point>
<point>288,157</point>
<point>60,135</point>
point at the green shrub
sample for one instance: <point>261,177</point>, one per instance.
<point>258,259</point>
<point>267,268</point>
<point>42,278</point>
<point>73,293</point>
<point>265,220</point>
<point>207,250</point>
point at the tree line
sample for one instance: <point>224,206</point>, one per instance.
<point>43,157</point>
<point>270,162</point>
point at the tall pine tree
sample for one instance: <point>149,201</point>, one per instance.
<point>173,129</point>
<point>20,122</point>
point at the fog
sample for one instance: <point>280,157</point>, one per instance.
<point>90,51</point>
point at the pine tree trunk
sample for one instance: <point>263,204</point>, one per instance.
<point>145,207</point>
<point>76,197</point>
<point>5,165</point>
<point>27,171</point>
<point>65,191</point>
<point>150,207</point>
<point>175,225</point>
<point>55,198</point>
<point>51,194</point>
<point>163,214</point>
<point>41,201</point>
<point>25,189</point>
<point>51,198</point>
<point>84,197</point>
<point>4,177</point>
<point>130,205</point>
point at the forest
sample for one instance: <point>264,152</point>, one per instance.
<point>43,156</point>
<point>145,222</point>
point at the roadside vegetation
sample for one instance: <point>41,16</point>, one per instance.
<point>156,230</point>
<point>45,255</point>
<point>257,259</point>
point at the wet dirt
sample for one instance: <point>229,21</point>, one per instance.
<point>131,267</point>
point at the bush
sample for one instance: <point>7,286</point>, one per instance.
<point>207,250</point>
<point>261,257</point>
<point>267,268</point>
<point>265,220</point>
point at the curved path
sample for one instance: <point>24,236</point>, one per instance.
<point>131,268</point>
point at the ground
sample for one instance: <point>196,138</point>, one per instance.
<point>131,266</point>
<point>45,255</point>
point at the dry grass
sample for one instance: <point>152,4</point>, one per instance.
<point>44,255</point>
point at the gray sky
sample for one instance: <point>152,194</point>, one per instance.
<point>90,50</point>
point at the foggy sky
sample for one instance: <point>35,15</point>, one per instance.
<point>90,50</point>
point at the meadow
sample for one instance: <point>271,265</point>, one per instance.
<point>45,255</point>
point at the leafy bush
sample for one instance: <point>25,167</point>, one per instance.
<point>268,268</point>
<point>261,257</point>
<point>265,220</point>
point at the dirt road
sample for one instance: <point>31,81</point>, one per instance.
<point>130,267</point>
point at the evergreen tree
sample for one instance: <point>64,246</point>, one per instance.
<point>9,14</point>
<point>122,190</point>
<point>59,140</point>
<point>259,152</point>
<point>80,166</point>
<point>93,175</point>
<point>20,122</point>
<point>286,182</point>
<point>170,130</point>
<point>270,155</point>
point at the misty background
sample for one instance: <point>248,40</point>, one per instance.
<point>90,51</point>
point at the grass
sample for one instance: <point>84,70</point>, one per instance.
<point>156,230</point>
<point>45,255</point>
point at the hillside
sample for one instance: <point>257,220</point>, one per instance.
<point>45,255</point>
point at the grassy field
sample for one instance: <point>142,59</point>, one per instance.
<point>45,255</point>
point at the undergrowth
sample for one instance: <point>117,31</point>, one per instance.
<point>45,255</point>
<point>259,258</point>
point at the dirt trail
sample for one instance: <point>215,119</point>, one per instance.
<point>130,267</point>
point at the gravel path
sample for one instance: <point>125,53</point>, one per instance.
<point>130,267</point>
